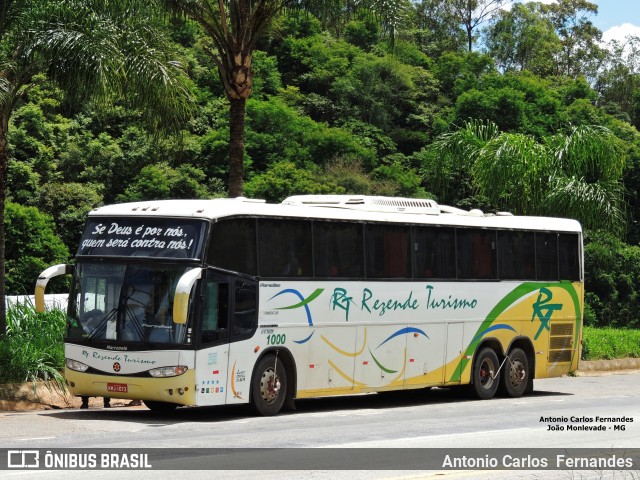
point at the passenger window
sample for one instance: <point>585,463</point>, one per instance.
<point>547,256</point>
<point>338,249</point>
<point>434,252</point>
<point>245,319</point>
<point>476,254</point>
<point>233,245</point>
<point>516,255</point>
<point>388,251</point>
<point>569,256</point>
<point>285,248</point>
<point>215,315</point>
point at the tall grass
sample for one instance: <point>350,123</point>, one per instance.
<point>33,348</point>
<point>609,343</point>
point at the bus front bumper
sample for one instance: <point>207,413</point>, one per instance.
<point>180,389</point>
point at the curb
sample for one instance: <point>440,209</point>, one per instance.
<point>609,365</point>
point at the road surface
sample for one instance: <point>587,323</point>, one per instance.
<point>570,412</point>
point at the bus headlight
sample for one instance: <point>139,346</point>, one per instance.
<point>168,371</point>
<point>75,365</point>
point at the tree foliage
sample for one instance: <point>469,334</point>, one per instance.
<point>524,38</point>
<point>91,49</point>
<point>472,13</point>
<point>612,276</point>
<point>366,97</point>
<point>32,246</point>
<point>575,175</point>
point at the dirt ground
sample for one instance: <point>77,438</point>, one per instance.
<point>20,397</point>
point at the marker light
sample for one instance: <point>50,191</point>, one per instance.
<point>168,371</point>
<point>75,365</point>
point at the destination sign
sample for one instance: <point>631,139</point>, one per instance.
<point>143,237</point>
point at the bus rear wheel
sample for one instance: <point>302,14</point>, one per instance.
<point>269,386</point>
<point>515,377</point>
<point>485,370</point>
<point>160,407</point>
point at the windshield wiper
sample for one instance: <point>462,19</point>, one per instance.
<point>100,332</point>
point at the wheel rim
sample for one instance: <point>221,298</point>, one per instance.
<point>517,373</point>
<point>269,385</point>
<point>486,373</point>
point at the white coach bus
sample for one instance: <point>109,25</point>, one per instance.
<point>230,301</point>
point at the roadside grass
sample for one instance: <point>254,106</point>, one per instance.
<point>33,348</point>
<point>610,343</point>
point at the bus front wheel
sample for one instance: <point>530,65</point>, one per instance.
<point>269,386</point>
<point>485,374</point>
<point>516,374</point>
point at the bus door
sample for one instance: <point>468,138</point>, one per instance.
<point>242,350</point>
<point>212,356</point>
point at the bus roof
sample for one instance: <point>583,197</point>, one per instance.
<point>337,207</point>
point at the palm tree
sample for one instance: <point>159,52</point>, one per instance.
<point>448,160</point>
<point>233,26</point>
<point>90,48</point>
<point>576,175</point>
<point>590,161</point>
<point>513,171</point>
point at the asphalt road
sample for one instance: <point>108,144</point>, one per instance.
<point>570,412</point>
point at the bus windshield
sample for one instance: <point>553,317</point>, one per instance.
<point>126,303</point>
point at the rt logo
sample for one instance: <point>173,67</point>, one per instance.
<point>543,309</point>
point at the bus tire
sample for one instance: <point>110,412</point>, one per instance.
<point>160,407</point>
<point>485,369</point>
<point>269,386</point>
<point>515,375</point>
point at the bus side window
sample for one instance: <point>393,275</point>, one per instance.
<point>233,245</point>
<point>284,248</point>
<point>215,315</point>
<point>547,256</point>
<point>245,320</point>
<point>434,252</point>
<point>476,251</point>
<point>516,255</point>
<point>388,251</point>
<point>338,249</point>
<point>569,256</point>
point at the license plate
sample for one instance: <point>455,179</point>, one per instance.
<point>117,387</point>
